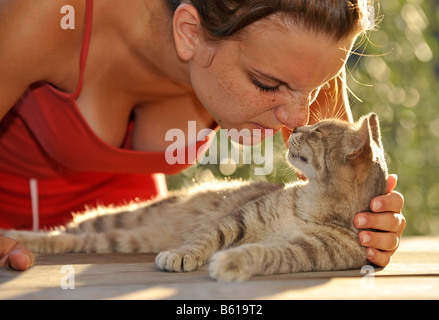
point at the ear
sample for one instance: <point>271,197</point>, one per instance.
<point>361,148</point>
<point>186,31</point>
<point>361,153</point>
<point>375,131</point>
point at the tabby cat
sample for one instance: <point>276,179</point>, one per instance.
<point>249,228</point>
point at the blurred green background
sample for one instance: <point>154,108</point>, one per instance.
<point>396,75</point>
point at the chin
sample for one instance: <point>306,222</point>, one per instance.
<point>249,141</point>
<point>302,170</point>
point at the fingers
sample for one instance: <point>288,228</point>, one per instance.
<point>21,258</point>
<point>380,246</point>
<point>379,258</point>
<point>387,241</point>
<point>15,255</point>
<point>392,202</point>
<point>386,221</point>
<point>387,218</point>
<point>391,182</point>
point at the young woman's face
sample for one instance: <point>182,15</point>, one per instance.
<point>269,78</point>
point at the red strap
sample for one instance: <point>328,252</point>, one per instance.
<point>85,45</point>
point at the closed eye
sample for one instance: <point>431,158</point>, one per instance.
<point>264,88</point>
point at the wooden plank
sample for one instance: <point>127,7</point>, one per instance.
<point>335,288</point>
<point>110,258</point>
<point>413,273</point>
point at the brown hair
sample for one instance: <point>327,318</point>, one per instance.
<point>222,19</point>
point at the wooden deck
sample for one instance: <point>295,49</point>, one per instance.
<point>413,274</point>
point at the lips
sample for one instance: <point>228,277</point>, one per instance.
<point>267,131</point>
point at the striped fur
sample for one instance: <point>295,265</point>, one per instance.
<point>249,228</point>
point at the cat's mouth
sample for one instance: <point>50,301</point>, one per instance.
<point>297,156</point>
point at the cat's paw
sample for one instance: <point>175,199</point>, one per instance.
<point>19,236</point>
<point>31,240</point>
<point>229,265</point>
<point>176,261</point>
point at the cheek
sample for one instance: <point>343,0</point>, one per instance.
<point>248,99</point>
<point>241,96</point>
<point>228,95</point>
<point>264,101</point>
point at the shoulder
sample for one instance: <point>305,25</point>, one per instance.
<point>31,33</point>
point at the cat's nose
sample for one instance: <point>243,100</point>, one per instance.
<point>299,129</point>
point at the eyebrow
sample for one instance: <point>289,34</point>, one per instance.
<point>270,77</point>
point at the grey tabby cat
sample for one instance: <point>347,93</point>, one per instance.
<point>249,228</point>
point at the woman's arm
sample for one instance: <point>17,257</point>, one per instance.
<point>34,47</point>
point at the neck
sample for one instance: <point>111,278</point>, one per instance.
<point>329,203</point>
<point>146,28</point>
<point>163,54</point>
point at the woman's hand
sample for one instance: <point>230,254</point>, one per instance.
<point>15,255</point>
<point>386,217</point>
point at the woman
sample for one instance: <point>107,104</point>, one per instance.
<point>72,137</point>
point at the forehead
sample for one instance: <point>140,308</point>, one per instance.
<point>292,53</point>
<point>336,129</point>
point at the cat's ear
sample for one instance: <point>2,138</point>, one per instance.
<point>361,148</point>
<point>375,131</point>
<point>361,154</point>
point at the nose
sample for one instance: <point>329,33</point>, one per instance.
<point>293,116</point>
<point>300,129</point>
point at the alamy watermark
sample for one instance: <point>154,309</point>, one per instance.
<point>368,281</point>
<point>68,281</point>
<point>220,150</point>
<point>68,20</point>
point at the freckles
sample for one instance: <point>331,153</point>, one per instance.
<point>267,102</point>
<point>259,102</point>
<point>225,81</point>
<point>225,85</point>
<point>246,101</point>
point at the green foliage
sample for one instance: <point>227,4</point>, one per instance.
<point>397,78</point>
<point>239,168</point>
<point>393,73</point>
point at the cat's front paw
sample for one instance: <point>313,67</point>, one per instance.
<point>29,239</point>
<point>19,236</point>
<point>176,261</point>
<point>229,265</point>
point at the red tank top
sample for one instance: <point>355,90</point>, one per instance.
<point>53,164</point>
